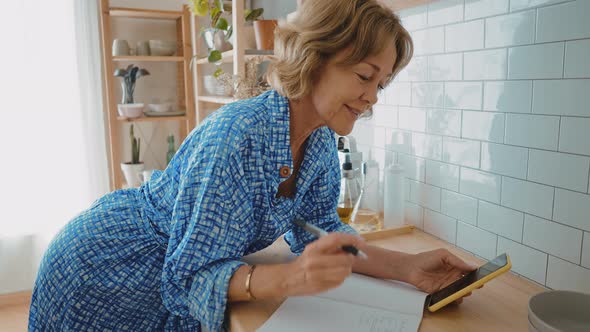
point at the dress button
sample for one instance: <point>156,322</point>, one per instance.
<point>285,171</point>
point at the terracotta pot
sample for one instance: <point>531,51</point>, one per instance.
<point>264,31</point>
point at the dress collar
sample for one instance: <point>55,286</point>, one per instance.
<point>280,137</point>
<point>317,147</point>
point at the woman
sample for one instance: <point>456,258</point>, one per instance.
<point>167,256</point>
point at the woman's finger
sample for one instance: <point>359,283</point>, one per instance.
<point>333,242</point>
<point>457,262</point>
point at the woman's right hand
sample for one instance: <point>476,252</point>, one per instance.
<point>322,265</point>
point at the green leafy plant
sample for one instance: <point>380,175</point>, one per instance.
<point>135,146</point>
<point>215,8</point>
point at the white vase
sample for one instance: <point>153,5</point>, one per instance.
<point>131,171</point>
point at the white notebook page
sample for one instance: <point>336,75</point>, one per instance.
<point>360,304</point>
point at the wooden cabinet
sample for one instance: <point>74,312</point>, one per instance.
<point>184,79</point>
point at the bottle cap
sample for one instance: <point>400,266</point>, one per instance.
<point>347,165</point>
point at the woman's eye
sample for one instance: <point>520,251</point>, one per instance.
<point>380,87</point>
<point>364,78</point>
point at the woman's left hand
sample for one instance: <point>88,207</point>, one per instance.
<point>432,270</point>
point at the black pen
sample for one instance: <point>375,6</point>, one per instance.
<point>320,233</point>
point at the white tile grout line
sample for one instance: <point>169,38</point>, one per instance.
<point>462,66</point>
<point>497,243</point>
<point>532,96</point>
<point>477,213</point>
<point>522,232</point>
<point>463,18</point>
<point>546,269</point>
<point>553,205</point>
<point>582,248</point>
<point>563,60</point>
<point>507,63</point>
<point>528,163</point>
<point>536,24</point>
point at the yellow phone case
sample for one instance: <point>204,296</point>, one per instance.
<point>473,286</point>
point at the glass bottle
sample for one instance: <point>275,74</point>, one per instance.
<point>350,192</point>
<point>171,149</point>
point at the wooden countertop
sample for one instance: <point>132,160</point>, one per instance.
<point>501,305</point>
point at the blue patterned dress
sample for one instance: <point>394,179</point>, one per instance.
<point>160,257</point>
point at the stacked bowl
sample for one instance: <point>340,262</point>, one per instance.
<point>559,311</point>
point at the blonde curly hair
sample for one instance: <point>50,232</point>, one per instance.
<point>320,29</point>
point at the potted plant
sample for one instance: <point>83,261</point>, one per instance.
<point>129,76</point>
<point>132,169</point>
<point>264,32</point>
<point>219,32</point>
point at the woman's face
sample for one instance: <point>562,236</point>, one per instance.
<point>343,93</point>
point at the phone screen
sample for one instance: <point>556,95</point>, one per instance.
<point>484,270</point>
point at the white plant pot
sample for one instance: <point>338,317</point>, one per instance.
<point>131,173</point>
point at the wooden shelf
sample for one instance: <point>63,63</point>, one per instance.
<point>153,118</point>
<point>216,99</point>
<point>144,13</point>
<point>228,56</point>
<point>183,81</point>
<point>149,58</point>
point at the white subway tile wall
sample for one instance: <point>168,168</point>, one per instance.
<point>508,30</point>
<point>492,121</point>
<point>459,206</point>
<point>482,8</point>
<point>527,261</point>
<point>476,240</point>
<point>562,97</point>
<point>440,225</point>
<point>508,96</point>
<point>577,53</point>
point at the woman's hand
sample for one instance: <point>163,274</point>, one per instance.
<point>322,265</point>
<point>432,270</point>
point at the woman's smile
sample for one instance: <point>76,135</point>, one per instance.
<point>354,112</point>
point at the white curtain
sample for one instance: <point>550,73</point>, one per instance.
<point>52,137</point>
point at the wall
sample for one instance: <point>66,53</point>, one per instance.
<point>492,121</point>
<point>275,9</point>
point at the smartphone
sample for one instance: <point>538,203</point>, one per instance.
<point>468,282</point>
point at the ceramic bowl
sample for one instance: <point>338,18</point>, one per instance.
<point>163,107</point>
<point>162,47</point>
<point>556,311</point>
<point>130,110</point>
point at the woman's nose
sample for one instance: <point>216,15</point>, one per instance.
<point>370,95</point>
